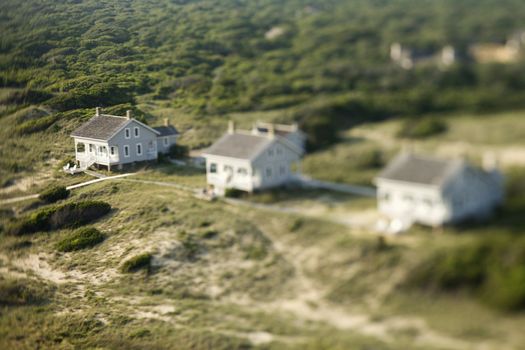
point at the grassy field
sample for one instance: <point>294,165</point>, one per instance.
<point>228,277</point>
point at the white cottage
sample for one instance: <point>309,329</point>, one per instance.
<point>248,160</point>
<point>434,192</point>
<point>111,140</point>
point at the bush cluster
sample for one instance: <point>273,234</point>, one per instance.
<point>35,125</point>
<point>67,215</point>
<point>54,194</point>
<point>493,269</point>
<point>234,193</point>
<point>422,128</point>
<point>178,151</point>
<point>136,263</point>
<point>22,292</point>
<point>82,238</point>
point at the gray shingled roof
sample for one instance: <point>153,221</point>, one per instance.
<point>166,130</point>
<point>241,146</point>
<point>420,169</point>
<point>100,127</point>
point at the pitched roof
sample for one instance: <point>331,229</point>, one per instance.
<point>101,127</point>
<point>241,146</point>
<point>166,130</point>
<point>420,169</point>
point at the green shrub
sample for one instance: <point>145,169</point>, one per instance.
<point>22,292</point>
<point>234,193</point>
<point>178,151</point>
<point>85,237</point>
<point>54,194</point>
<point>67,215</point>
<point>490,268</point>
<point>422,128</point>
<point>35,125</point>
<point>138,262</point>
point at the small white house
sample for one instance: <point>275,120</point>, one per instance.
<point>111,140</point>
<point>167,137</point>
<point>434,192</point>
<point>248,160</point>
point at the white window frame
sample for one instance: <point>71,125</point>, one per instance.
<point>136,132</point>
<point>112,150</point>
<point>138,147</point>
<point>126,151</point>
<point>213,168</point>
<point>166,141</point>
<point>127,133</point>
<point>242,171</point>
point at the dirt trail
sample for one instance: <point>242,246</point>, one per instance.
<point>308,303</point>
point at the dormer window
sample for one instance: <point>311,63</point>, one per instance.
<point>136,131</point>
<point>127,133</point>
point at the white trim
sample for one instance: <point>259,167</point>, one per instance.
<point>138,147</point>
<point>126,154</point>
<point>136,131</point>
<point>127,133</point>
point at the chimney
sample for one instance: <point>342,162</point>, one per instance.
<point>271,130</point>
<point>255,131</point>
<point>490,162</point>
<point>97,111</point>
<point>231,127</point>
<point>128,114</point>
<point>166,122</point>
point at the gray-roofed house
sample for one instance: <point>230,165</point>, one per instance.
<point>250,160</point>
<point>433,191</point>
<point>111,140</point>
<point>167,137</point>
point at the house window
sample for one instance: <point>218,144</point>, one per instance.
<point>139,149</point>
<point>268,172</point>
<point>112,150</point>
<point>136,130</point>
<point>228,169</point>
<point>213,168</point>
<point>282,169</point>
<point>91,148</point>
<point>102,149</point>
<point>151,146</point>
<point>81,148</point>
<point>166,141</point>
<point>126,151</point>
<point>242,171</point>
<point>127,133</point>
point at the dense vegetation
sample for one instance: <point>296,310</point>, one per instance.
<point>82,238</point>
<point>59,216</point>
<point>54,194</point>
<point>136,263</point>
<point>493,269</point>
<point>213,56</point>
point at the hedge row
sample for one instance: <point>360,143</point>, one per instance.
<point>136,263</point>
<point>67,215</point>
<point>82,238</point>
<point>54,194</point>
